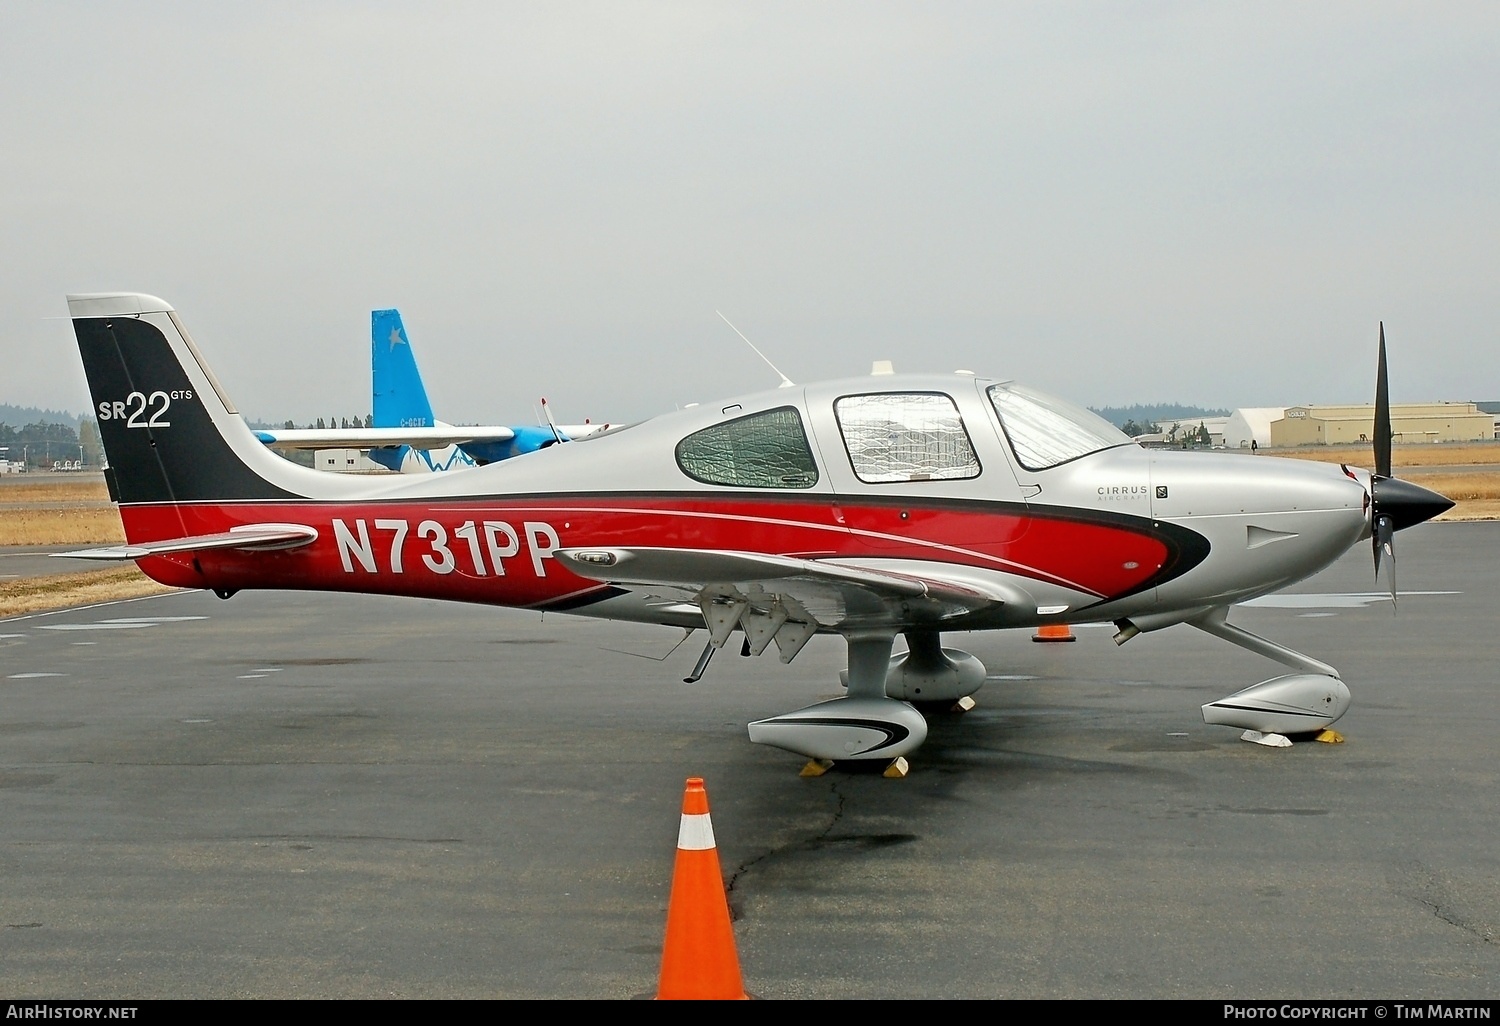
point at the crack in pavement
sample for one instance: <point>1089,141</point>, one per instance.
<point>745,867</point>
<point>1423,886</point>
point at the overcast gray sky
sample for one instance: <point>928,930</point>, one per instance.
<point>1209,203</point>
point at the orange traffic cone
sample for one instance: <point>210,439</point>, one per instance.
<point>698,959</point>
<point>1054,632</point>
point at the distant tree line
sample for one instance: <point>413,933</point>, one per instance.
<point>16,416</point>
<point>1180,434</point>
<point>39,445</point>
<point>331,424</point>
<point>1191,437</point>
<point>1153,413</point>
<point>1134,428</point>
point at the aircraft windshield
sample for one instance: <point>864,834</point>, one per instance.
<point>1045,431</point>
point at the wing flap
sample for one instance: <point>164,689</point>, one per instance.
<point>857,587</point>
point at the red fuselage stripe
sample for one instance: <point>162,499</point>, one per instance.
<point>500,552</point>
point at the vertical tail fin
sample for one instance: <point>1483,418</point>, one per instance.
<point>399,399</point>
<point>170,432</point>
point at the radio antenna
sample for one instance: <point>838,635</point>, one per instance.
<point>786,382</point>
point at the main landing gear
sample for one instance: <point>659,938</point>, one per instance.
<point>877,720</point>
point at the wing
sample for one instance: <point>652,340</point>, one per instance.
<point>790,598</point>
<point>253,537</point>
<point>376,438</point>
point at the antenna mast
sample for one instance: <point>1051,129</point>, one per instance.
<point>786,382</point>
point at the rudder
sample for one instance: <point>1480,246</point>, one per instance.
<point>164,421</point>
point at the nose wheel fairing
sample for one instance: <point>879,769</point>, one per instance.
<point>1296,703</point>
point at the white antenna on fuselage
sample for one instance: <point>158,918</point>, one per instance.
<point>786,382</point>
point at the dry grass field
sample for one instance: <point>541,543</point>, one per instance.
<point>55,509</point>
<point>51,525</point>
<point>66,511</point>
<point>53,490</point>
<point>59,591</point>
<point>1446,455</point>
<point>1476,492</point>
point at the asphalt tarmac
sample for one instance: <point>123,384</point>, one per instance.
<point>302,795</point>
<point>38,561</point>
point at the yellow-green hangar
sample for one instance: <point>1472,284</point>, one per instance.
<point>1411,422</point>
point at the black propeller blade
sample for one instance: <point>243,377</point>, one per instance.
<point>1383,430</point>
<point>1383,537</point>
<point>1394,503</point>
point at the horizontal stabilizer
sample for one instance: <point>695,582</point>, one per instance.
<point>252,536</point>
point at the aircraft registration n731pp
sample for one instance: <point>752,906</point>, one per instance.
<point>867,508</point>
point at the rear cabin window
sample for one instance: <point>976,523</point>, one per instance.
<point>905,436</point>
<point>763,450</point>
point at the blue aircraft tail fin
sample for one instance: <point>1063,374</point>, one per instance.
<point>400,399</point>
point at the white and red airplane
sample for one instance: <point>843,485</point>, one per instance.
<point>867,508</point>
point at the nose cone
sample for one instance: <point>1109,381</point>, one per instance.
<point>1405,503</point>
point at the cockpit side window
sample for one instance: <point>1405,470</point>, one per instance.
<point>1045,431</point>
<point>763,450</point>
<point>905,436</point>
